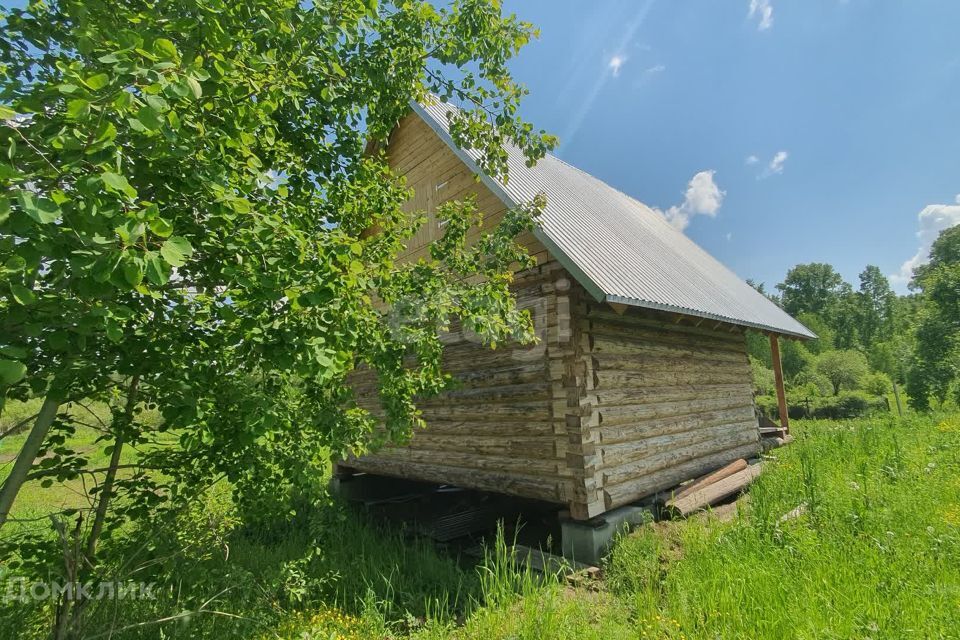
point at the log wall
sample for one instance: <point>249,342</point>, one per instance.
<point>668,400</point>
<point>497,430</point>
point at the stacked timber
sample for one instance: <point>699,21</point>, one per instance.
<point>713,488</point>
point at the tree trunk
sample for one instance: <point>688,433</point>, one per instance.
<point>88,558</point>
<point>24,461</point>
<point>103,501</point>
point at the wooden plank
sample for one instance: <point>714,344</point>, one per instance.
<point>715,492</point>
<point>778,382</point>
<point>710,478</point>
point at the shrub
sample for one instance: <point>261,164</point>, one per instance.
<point>842,368</point>
<point>763,381</point>
<point>850,404</point>
<point>877,384</point>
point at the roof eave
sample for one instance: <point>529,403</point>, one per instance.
<point>657,306</point>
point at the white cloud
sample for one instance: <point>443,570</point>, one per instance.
<point>776,164</point>
<point>729,236</point>
<point>933,219</point>
<point>774,167</point>
<point>657,68</point>
<point>763,11</point>
<point>703,197</point>
<point>615,63</point>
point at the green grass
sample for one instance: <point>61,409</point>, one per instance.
<point>34,501</point>
<point>876,554</point>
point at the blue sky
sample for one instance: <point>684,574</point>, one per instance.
<point>778,131</point>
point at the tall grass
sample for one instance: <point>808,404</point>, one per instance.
<point>874,553</point>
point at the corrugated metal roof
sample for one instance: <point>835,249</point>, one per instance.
<point>618,248</point>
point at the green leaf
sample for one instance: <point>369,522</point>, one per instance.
<point>176,251</point>
<point>130,231</point>
<point>161,227</point>
<point>11,372</point>
<point>165,48</point>
<point>195,87</point>
<point>22,294</point>
<point>77,108</point>
<point>150,118</point>
<point>43,210</point>
<point>6,113</point>
<point>118,183</point>
<point>156,271</point>
<point>133,272</point>
<point>18,353</point>
<point>157,103</point>
<point>98,81</point>
<point>114,332</point>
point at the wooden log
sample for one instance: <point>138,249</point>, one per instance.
<point>676,393</point>
<point>710,478</point>
<point>548,488</point>
<point>714,493</point>
<point>629,413</point>
<point>676,424</point>
<point>597,313</point>
<point>643,364</point>
<point>611,375</point>
<point>468,462</point>
<point>644,448</point>
<point>680,453</point>
<point>667,337</point>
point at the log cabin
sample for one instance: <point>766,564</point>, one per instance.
<point>640,379</point>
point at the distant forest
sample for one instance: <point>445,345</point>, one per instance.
<point>869,339</point>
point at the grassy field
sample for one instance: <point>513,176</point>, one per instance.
<point>875,554</point>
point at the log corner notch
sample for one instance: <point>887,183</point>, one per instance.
<point>778,382</point>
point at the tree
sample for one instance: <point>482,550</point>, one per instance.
<point>936,358</point>
<point>844,317</point>
<point>812,288</point>
<point>825,335</point>
<point>842,368</point>
<point>185,223</point>
<point>876,304</point>
<point>944,251</point>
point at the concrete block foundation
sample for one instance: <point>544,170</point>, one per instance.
<point>588,541</point>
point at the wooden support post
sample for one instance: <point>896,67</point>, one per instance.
<point>896,394</point>
<point>778,380</point>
